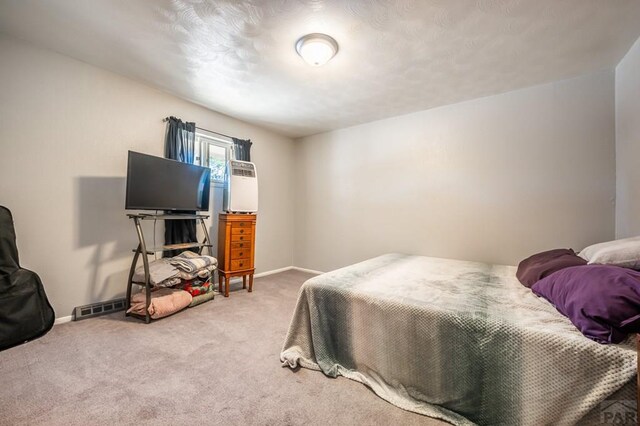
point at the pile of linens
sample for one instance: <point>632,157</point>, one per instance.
<point>176,282</point>
<point>598,289</point>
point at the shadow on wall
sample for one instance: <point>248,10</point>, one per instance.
<point>103,225</point>
<point>214,210</point>
<point>215,207</point>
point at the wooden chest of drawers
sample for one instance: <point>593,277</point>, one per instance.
<point>236,247</point>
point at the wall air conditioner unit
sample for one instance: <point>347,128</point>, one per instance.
<point>241,189</point>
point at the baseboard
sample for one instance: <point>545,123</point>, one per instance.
<point>264,274</point>
<point>277,271</point>
<point>273,271</point>
<point>62,320</point>
<point>309,271</point>
<point>69,318</point>
<point>287,268</point>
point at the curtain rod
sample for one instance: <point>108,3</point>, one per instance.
<point>164,120</point>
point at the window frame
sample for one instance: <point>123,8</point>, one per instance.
<point>205,140</point>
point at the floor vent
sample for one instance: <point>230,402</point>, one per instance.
<point>95,309</point>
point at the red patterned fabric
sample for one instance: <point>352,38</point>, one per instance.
<point>197,287</point>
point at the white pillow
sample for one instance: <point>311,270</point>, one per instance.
<point>625,253</point>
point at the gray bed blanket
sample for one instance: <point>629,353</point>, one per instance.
<point>461,341</point>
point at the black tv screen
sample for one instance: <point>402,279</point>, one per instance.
<point>155,183</point>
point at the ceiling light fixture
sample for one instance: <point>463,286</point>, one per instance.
<point>316,49</point>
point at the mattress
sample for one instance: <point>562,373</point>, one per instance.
<point>461,341</point>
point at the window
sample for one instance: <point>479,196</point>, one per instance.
<point>213,152</point>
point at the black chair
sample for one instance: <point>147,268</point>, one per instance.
<point>25,312</point>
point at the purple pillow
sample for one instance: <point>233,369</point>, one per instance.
<point>602,301</point>
<point>540,265</point>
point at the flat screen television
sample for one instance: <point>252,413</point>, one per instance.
<point>155,183</point>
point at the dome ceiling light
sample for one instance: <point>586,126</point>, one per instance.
<point>316,49</point>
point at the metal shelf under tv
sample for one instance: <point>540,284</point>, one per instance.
<point>142,248</point>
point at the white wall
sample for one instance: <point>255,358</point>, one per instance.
<point>628,144</point>
<point>64,134</point>
<point>494,179</point>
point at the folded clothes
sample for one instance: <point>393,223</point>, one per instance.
<point>197,287</point>
<point>164,302</point>
<point>168,283</point>
<point>191,262</point>
<point>159,271</point>
<point>203,273</point>
<point>197,300</point>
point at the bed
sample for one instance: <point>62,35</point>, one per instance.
<point>461,341</point>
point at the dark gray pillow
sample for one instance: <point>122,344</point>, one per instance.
<point>540,265</point>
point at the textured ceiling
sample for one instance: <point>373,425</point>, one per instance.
<point>396,56</point>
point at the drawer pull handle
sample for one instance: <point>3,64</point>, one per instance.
<point>242,231</point>
<point>241,253</point>
<point>241,244</point>
<point>241,264</point>
<point>241,223</point>
<point>242,238</point>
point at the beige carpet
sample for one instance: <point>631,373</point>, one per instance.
<point>217,363</point>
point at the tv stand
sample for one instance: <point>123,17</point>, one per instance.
<point>143,249</point>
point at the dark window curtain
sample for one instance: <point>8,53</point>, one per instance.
<point>181,141</point>
<point>180,145</point>
<point>242,149</point>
